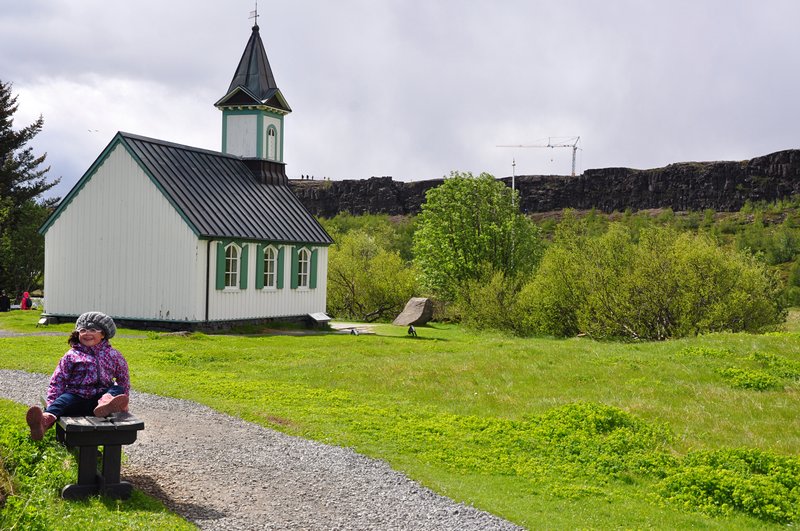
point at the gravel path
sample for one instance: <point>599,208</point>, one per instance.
<point>222,473</point>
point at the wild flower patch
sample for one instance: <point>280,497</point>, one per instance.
<point>750,379</point>
<point>706,352</point>
<point>754,482</point>
<point>776,365</point>
<point>576,451</point>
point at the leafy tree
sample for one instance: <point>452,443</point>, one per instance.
<point>365,280</point>
<point>469,224</point>
<point>22,182</point>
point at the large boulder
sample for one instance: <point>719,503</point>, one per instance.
<point>418,311</point>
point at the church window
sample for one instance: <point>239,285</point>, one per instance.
<point>303,268</point>
<point>270,267</point>
<point>232,266</point>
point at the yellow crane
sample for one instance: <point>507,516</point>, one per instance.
<point>570,142</point>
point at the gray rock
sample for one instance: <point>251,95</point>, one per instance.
<point>418,311</point>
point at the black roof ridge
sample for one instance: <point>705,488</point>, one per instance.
<point>176,145</point>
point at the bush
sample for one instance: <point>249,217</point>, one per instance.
<point>490,303</point>
<point>668,284</point>
<point>366,281</point>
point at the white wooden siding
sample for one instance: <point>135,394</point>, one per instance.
<point>121,248</point>
<point>241,135</point>
<point>252,303</point>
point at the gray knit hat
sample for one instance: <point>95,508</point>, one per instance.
<point>97,320</point>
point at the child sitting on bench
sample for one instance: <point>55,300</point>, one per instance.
<point>91,378</point>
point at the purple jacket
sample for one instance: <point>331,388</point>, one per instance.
<point>88,371</point>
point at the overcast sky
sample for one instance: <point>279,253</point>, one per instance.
<point>416,88</point>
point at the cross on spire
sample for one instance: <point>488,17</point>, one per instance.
<point>254,14</point>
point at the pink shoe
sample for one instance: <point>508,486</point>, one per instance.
<point>39,422</point>
<point>109,404</point>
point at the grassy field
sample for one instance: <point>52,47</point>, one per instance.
<point>570,433</point>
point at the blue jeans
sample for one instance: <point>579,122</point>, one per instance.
<point>72,405</point>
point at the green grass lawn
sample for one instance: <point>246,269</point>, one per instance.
<point>547,433</point>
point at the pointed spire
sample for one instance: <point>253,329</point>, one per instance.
<point>254,72</point>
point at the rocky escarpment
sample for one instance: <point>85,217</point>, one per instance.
<point>722,186</point>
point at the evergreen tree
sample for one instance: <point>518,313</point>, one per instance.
<point>22,181</point>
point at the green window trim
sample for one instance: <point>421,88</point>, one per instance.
<point>261,256</point>
<point>243,264</point>
<point>220,265</point>
<point>313,260</point>
<point>279,272</point>
<point>260,266</point>
<point>222,248</point>
<point>293,276</point>
<point>312,274</point>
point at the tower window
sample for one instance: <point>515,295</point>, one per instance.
<point>272,142</point>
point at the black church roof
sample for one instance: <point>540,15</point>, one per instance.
<point>217,195</point>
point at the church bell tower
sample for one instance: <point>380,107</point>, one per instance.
<point>253,111</point>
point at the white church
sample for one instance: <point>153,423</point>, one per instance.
<point>161,234</point>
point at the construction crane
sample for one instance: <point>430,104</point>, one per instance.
<point>570,142</point>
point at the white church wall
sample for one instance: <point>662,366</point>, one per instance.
<point>253,303</point>
<point>121,248</point>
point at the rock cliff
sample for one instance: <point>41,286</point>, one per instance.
<point>722,186</point>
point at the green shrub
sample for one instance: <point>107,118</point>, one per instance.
<point>668,284</point>
<point>365,280</point>
<point>489,302</point>
<point>547,304</point>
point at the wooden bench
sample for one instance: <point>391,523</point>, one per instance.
<point>87,434</point>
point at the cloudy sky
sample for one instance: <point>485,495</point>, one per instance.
<point>416,88</point>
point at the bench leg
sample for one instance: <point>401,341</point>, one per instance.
<point>112,486</point>
<point>87,484</point>
<point>112,460</point>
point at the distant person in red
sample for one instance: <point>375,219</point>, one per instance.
<point>26,302</point>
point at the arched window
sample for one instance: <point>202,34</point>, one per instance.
<point>270,267</point>
<point>303,268</point>
<point>272,142</point>
<point>232,266</point>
